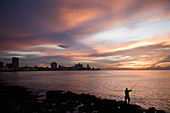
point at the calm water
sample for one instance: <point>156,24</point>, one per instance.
<point>152,88</point>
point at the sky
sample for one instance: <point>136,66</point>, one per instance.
<point>109,34</point>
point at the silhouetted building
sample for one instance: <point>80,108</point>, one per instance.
<point>1,64</point>
<point>47,68</point>
<point>15,62</point>
<point>88,67</point>
<point>26,68</point>
<point>9,65</point>
<point>78,66</point>
<point>53,65</point>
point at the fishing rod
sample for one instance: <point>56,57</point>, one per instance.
<point>133,86</point>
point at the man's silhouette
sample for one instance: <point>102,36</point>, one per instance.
<point>127,95</point>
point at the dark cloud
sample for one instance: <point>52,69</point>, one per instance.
<point>63,46</point>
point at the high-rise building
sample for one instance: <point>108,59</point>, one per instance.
<point>53,65</point>
<point>15,62</point>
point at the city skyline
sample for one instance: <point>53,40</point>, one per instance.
<point>14,66</point>
<point>111,34</point>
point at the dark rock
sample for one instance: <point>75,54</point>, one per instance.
<point>54,95</point>
<point>160,111</point>
<point>151,110</point>
<point>15,99</point>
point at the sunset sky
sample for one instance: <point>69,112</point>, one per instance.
<point>108,34</point>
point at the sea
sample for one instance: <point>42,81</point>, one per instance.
<point>150,88</point>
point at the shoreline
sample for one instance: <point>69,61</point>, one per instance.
<point>47,70</point>
<point>89,70</point>
<point>15,99</point>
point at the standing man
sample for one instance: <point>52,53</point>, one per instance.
<point>127,95</point>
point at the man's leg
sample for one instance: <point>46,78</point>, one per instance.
<point>128,99</point>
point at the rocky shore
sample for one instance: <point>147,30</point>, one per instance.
<point>16,99</point>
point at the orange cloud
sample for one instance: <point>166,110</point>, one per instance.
<point>163,64</point>
<point>137,63</point>
<point>104,14</point>
<point>72,17</point>
<point>165,40</point>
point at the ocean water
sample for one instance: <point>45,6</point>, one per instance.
<point>152,87</point>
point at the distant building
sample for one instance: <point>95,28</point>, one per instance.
<point>1,64</point>
<point>53,65</point>
<point>9,65</point>
<point>26,68</point>
<point>78,66</point>
<point>62,67</point>
<point>88,67</point>
<point>59,66</point>
<point>15,62</point>
<point>47,68</point>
